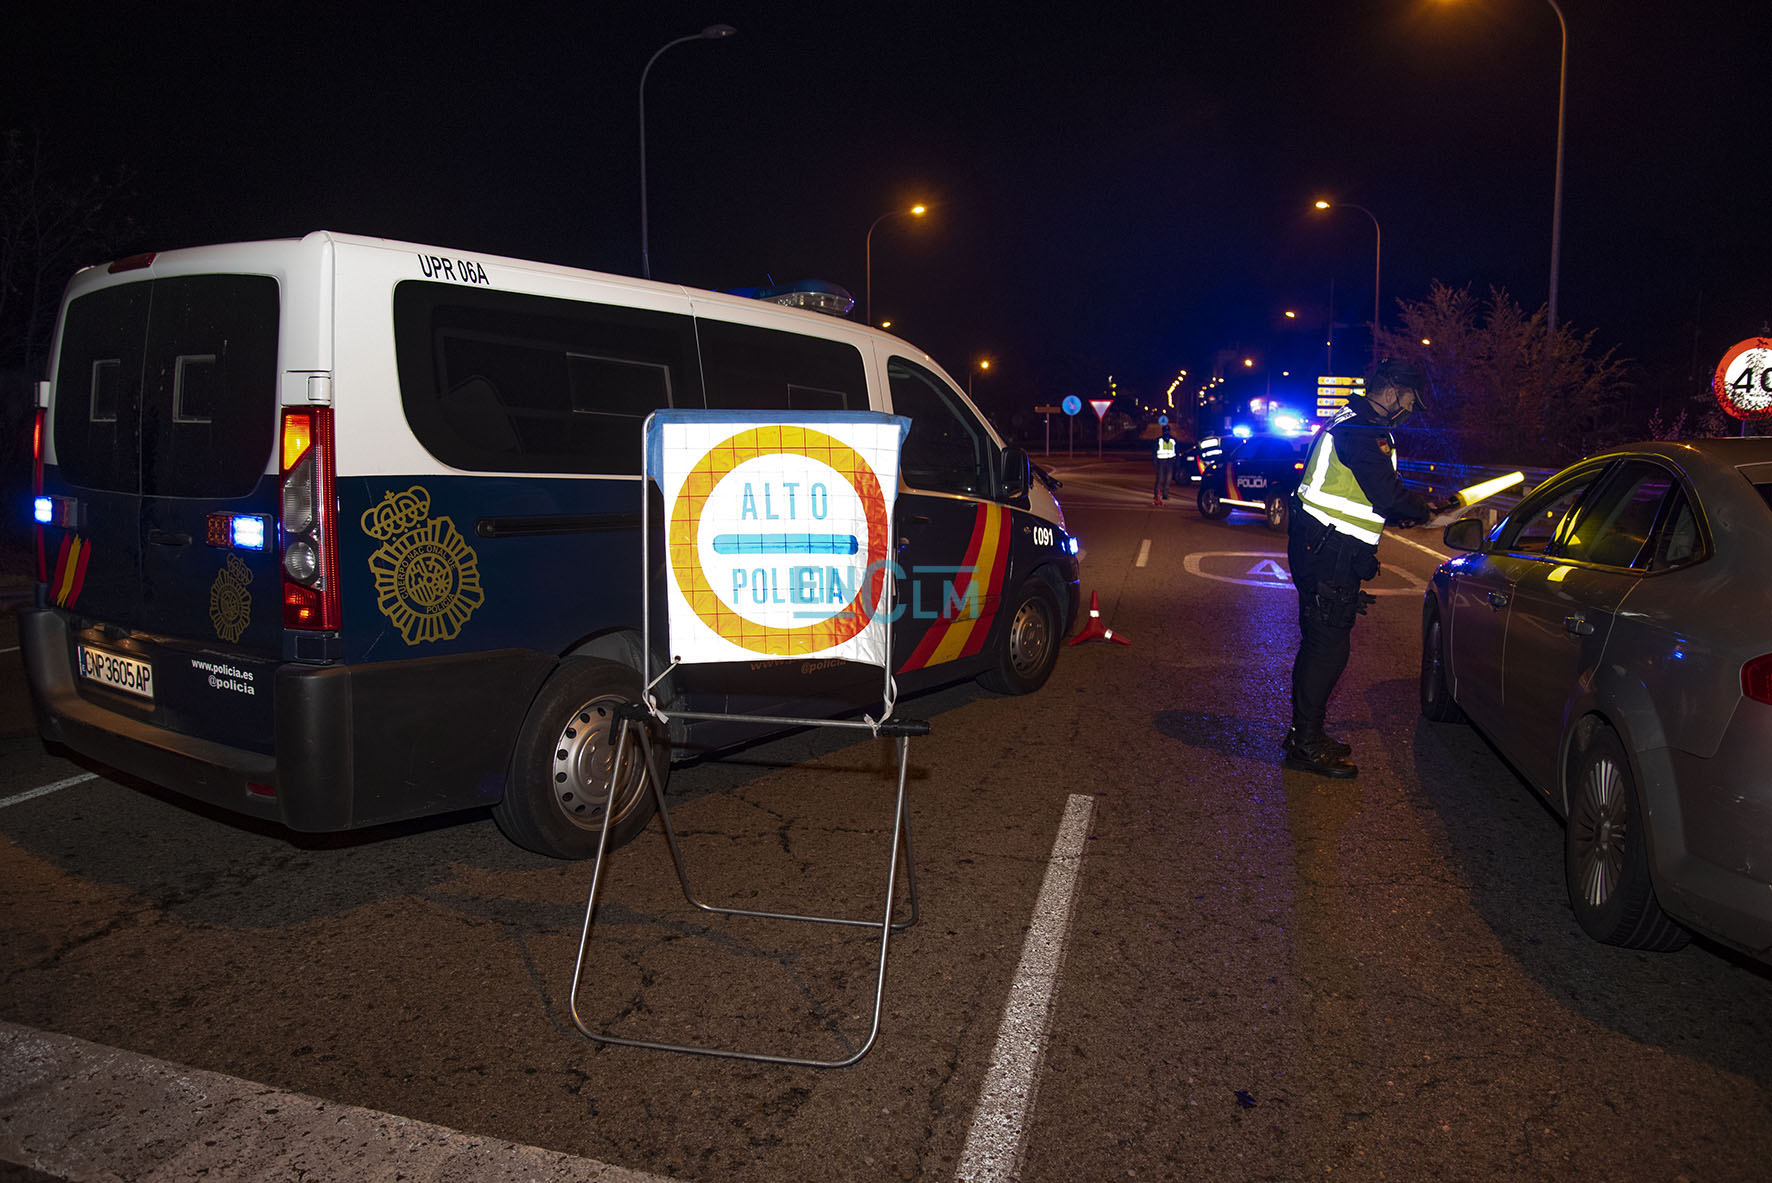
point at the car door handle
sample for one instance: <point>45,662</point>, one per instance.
<point>169,538</point>
<point>1497,600</point>
<point>1577,625</point>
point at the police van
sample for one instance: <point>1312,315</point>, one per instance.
<point>341,531</point>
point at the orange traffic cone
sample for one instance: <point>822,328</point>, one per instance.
<point>1095,628</point>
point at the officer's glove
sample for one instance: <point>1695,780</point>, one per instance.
<point>1442,504</point>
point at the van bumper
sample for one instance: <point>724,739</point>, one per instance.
<point>354,745</point>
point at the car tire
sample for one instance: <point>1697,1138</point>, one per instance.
<point>1026,648</point>
<point>1605,856</point>
<point>1279,512</point>
<point>1437,704</point>
<point>559,781</point>
<point>1212,507</point>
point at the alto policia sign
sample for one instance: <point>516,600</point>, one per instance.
<point>777,531</point>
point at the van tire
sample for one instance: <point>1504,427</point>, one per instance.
<point>1211,505</point>
<point>559,780</point>
<point>1026,647</point>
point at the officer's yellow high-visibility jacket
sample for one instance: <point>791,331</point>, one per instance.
<point>1331,494</point>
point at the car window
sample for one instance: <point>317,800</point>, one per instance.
<point>1680,541</point>
<point>1611,526</point>
<point>946,450</point>
<point>1541,518</point>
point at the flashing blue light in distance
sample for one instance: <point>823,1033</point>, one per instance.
<point>43,509</point>
<point>1288,424</point>
<point>248,532</point>
<point>1241,431</point>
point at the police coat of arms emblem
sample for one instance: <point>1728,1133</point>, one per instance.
<point>427,578</point>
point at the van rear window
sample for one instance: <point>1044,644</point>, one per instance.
<point>505,382</point>
<point>168,387</point>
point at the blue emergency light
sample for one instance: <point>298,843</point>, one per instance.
<point>248,531</point>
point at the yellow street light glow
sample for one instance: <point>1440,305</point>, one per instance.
<point>1249,361</point>
<point>1425,341</point>
<point>919,209</point>
<point>1482,489</point>
<point>984,363</point>
<point>1291,315</point>
<point>1322,205</point>
<point>885,324</point>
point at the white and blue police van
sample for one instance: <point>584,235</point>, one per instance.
<point>341,531</point>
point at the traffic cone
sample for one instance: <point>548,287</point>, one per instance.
<point>1095,628</point>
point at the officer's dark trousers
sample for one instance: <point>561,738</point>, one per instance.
<point>1327,569</point>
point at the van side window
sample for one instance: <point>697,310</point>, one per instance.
<point>947,449</point>
<point>750,368</point>
<point>504,382</point>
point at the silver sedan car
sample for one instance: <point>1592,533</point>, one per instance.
<point>1613,638</point>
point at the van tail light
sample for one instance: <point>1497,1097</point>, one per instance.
<point>1756,679</point>
<point>306,529</point>
<point>37,491</point>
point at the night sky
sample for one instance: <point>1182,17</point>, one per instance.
<point>1110,193</point>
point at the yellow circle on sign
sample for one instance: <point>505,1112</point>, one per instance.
<point>685,529</point>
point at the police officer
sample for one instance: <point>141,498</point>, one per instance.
<point>1165,460</point>
<point>1350,490</point>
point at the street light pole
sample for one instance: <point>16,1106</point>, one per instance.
<point>1377,257</point>
<point>711,33</point>
<point>1557,198</point>
<point>918,211</point>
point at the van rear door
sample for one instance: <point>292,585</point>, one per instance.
<point>164,419</point>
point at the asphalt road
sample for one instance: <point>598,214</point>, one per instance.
<point>1258,974</point>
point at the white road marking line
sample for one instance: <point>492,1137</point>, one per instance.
<point>81,1110</point>
<point>994,1143</point>
<point>1438,557</point>
<point>45,790</point>
<point>1144,553</point>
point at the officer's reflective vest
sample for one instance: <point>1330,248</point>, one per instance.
<point>1165,448</point>
<point>1332,495</point>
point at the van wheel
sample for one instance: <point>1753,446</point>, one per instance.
<point>1027,647</point>
<point>1279,511</point>
<point>1605,858</point>
<point>559,782</point>
<point>1212,507</point>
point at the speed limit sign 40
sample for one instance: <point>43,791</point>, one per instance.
<point>1743,384</point>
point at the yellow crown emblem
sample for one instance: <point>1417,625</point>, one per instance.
<point>397,513</point>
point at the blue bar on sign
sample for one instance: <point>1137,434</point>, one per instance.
<point>786,544</point>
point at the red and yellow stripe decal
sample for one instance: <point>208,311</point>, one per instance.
<point>70,570</point>
<point>987,558</point>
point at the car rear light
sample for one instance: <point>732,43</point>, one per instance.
<point>37,493</point>
<point>305,527</point>
<point>1756,679</point>
<point>132,263</point>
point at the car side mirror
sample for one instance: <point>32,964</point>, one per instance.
<point>1465,534</point>
<point>1015,474</point>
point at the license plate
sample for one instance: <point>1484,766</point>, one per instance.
<point>117,671</point>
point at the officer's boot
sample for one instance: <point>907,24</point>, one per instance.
<point>1311,752</point>
<point>1329,742</point>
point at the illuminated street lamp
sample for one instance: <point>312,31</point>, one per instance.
<point>916,211</point>
<point>711,33</point>
<point>983,364</point>
<point>1377,250</point>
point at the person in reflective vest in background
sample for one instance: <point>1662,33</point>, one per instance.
<point>1165,457</point>
<point>1350,491</point>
